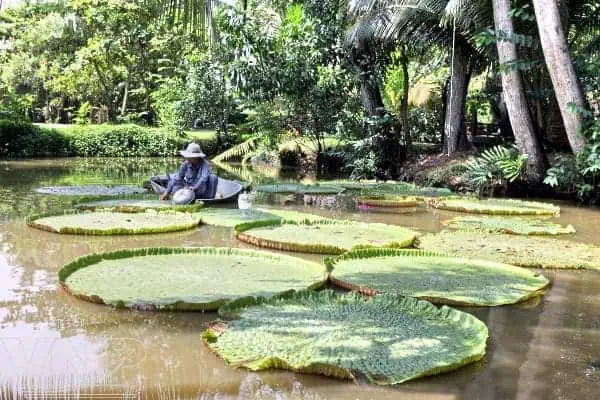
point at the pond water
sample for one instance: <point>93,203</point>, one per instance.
<point>52,345</point>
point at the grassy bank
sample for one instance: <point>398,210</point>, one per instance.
<point>24,140</point>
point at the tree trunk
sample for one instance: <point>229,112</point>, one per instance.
<point>556,53</point>
<point>457,99</point>
<point>125,95</point>
<point>404,105</point>
<point>516,104</point>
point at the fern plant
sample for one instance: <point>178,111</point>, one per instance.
<point>495,167</point>
<point>243,150</point>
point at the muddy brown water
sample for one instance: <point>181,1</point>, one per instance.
<point>54,346</point>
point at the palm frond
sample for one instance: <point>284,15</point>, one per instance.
<point>238,151</point>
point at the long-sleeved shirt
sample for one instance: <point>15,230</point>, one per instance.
<point>191,175</point>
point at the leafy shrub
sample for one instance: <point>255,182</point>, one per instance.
<point>18,139</point>
<point>122,141</point>
<point>495,167</point>
<point>22,139</point>
<point>579,175</point>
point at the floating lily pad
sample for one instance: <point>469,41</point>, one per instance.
<point>323,237</point>
<point>185,279</point>
<point>496,206</point>
<point>291,215</point>
<point>299,189</point>
<point>91,190</point>
<point>133,205</point>
<point>524,251</point>
<point>387,340</point>
<point>231,217</point>
<point>389,203</point>
<point>115,223</point>
<point>513,226</point>
<point>435,277</point>
<point>408,189</point>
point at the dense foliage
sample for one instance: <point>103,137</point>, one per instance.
<point>361,85</point>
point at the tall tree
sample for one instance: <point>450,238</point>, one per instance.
<point>556,53</point>
<point>514,95</point>
<point>454,126</point>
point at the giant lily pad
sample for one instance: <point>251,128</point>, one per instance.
<point>387,340</point>
<point>513,226</point>
<point>435,277</point>
<point>231,217</point>
<point>291,215</point>
<point>185,279</point>
<point>496,206</point>
<point>524,251</point>
<point>135,205</point>
<point>388,203</point>
<point>323,237</point>
<point>91,190</point>
<point>408,189</point>
<point>299,188</point>
<point>115,223</point>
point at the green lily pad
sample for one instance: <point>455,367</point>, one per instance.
<point>323,237</point>
<point>133,205</point>
<point>513,226</point>
<point>389,203</point>
<point>299,188</point>
<point>115,223</point>
<point>296,216</point>
<point>231,217</point>
<point>435,277</point>
<point>387,340</point>
<point>91,190</point>
<point>524,251</point>
<point>408,189</point>
<point>496,206</point>
<point>191,279</point>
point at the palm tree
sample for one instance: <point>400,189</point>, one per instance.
<point>417,22</point>
<point>514,95</point>
<point>562,72</point>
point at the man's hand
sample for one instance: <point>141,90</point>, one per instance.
<point>164,196</point>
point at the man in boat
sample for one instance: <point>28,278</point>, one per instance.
<point>194,173</point>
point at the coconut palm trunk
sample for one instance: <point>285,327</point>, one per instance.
<point>514,95</point>
<point>454,122</point>
<point>556,53</point>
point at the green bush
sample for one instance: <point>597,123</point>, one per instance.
<point>122,141</point>
<point>22,139</point>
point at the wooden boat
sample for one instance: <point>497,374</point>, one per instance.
<point>227,191</point>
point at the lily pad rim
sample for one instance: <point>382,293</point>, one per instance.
<point>95,258</point>
<point>359,254</point>
<point>232,311</point>
<point>30,221</point>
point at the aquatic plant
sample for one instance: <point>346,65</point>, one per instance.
<point>508,225</point>
<point>134,206</point>
<point>323,236</point>
<point>495,206</point>
<point>185,279</point>
<point>388,340</point>
<point>231,217</point>
<point>291,215</point>
<point>389,203</point>
<point>524,251</point>
<point>114,223</point>
<point>91,190</point>
<point>434,277</point>
<point>299,188</point>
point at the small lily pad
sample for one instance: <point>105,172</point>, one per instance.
<point>91,190</point>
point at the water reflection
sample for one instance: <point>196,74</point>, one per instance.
<point>50,341</point>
